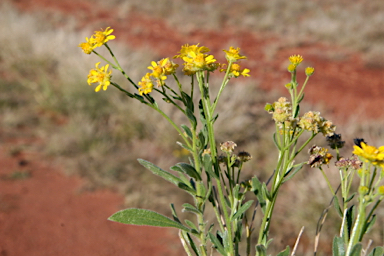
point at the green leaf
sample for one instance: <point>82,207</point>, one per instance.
<point>190,170</point>
<point>135,216</point>
<point>192,226</point>
<point>338,248</point>
<point>191,208</point>
<point>337,207</point>
<point>285,252</point>
<point>369,224</point>
<point>160,172</point>
<point>292,171</point>
<point>191,117</point>
<point>276,144</point>
<point>350,197</point>
<point>219,247</point>
<point>301,98</point>
<point>378,251</point>
<point>296,114</point>
<point>183,146</point>
<point>258,191</point>
<point>208,166</point>
<point>356,250</point>
<point>187,131</point>
<point>187,188</point>
<point>261,250</point>
<point>241,210</point>
<point>192,244</point>
<point>188,102</point>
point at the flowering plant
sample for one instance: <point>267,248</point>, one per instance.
<point>213,180</point>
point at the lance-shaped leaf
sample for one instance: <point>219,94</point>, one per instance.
<point>144,217</point>
<point>242,209</point>
<point>160,172</point>
<point>378,251</point>
<point>338,248</point>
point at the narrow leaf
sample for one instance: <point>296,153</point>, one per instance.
<point>135,216</point>
<point>160,172</point>
<point>190,170</point>
<point>291,172</point>
<point>241,210</point>
<point>356,250</point>
<point>219,247</point>
<point>285,252</point>
<point>187,131</point>
<point>191,208</point>
<point>338,248</point>
<point>378,251</point>
<point>261,250</point>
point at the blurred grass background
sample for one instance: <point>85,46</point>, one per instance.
<point>99,136</point>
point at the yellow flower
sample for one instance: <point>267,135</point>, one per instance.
<point>232,55</point>
<point>101,76</point>
<point>187,49</point>
<point>296,59</point>
<point>87,46</point>
<point>309,71</point>
<point>291,68</point>
<point>236,71</point>
<point>146,84</point>
<point>196,59</point>
<point>370,153</point>
<point>101,37</point>
<point>169,67</point>
<point>157,72</point>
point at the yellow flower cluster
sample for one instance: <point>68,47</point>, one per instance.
<point>98,39</point>
<point>312,121</point>
<point>160,70</point>
<point>370,154</point>
<point>236,71</point>
<point>101,76</point>
<point>196,59</point>
<point>295,61</point>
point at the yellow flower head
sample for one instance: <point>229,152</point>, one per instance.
<point>146,84</point>
<point>87,46</point>
<point>196,59</point>
<point>101,76</point>
<point>309,71</point>
<point>236,71</point>
<point>187,49</point>
<point>370,153</point>
<point>232,55</point>
<point>169,67</point>
<point>101,37</point>
<point>296,59</point>
<point>157,72</point>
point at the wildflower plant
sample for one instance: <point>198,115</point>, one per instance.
<point>212,176</point>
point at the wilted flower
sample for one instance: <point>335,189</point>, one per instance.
<point>334,141</point>
<point>312,121</point>
<point>280,110</point>
<point>244,156</point>
<point>228,146</point>
<point>319,156</point>
<point>101,76</point>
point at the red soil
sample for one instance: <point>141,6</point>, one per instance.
<point>48,214</point>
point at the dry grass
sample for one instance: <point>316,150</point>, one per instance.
<point>100,135</point>
<point>353,24</point>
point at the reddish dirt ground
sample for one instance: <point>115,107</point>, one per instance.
<point>48,213</point>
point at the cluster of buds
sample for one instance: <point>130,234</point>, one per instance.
<point>312,121</point>
<point>319,156</point>
<point>334,141</point>
<point>236,160</point>
<point>281,110</point>
<point>345,163</point>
